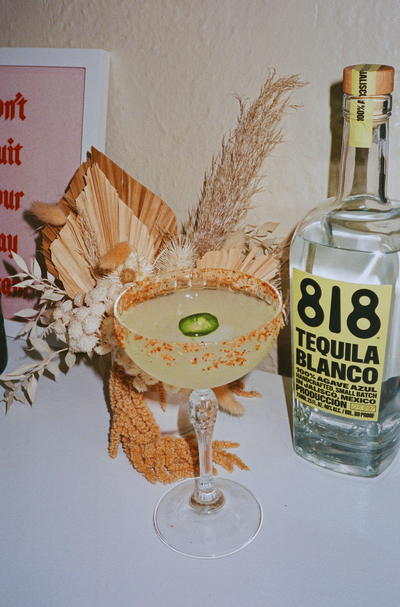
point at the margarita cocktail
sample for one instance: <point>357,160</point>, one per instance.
<point>247,311</point>
<point>201,329</point>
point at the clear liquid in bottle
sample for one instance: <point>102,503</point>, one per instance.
<point>345,272</point>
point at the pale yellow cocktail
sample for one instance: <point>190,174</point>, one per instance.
<point>248,312</point>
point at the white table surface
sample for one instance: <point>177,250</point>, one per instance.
<point>76,526</point>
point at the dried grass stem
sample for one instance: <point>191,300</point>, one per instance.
<point>235,173</point>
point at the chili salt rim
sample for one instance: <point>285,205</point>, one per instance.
<point>146,289</point>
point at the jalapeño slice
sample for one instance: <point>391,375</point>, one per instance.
<point>197,325</point>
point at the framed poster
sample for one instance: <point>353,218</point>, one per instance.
<point>53,106</point>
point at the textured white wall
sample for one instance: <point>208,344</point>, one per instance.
<point>176,65</point>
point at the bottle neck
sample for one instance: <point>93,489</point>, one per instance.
<point>363,173</point>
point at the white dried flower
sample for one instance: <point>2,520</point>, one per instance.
<point>57,313</point>
<point>99,294</point>
<point>114,290</point>
<point>73,344</point>
<point>81,313</point>
<point>75,330</point>
<point>108,280</point>
<point>66,305</point>
<point>91,324</point>
<point>79,299</point>
<point>86,343</point>
<point>98,309</point>
<point>89,298</point>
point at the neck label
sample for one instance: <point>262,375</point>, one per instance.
<point>363,84</point>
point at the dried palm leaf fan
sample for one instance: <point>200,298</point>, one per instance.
<point>103,221</point>
<point>263,266</point>
<point>148,208</point>
<point>66,205</point>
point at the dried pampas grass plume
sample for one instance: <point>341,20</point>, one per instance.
<point>235,173</point>
<point>227,401</point>
<point>50,214</point>
<point>115,256</point>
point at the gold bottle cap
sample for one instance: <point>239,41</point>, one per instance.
<point>367,79</point>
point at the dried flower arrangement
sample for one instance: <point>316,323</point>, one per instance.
<point>109,231</point>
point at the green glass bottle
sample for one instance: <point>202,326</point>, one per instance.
<point>3,342</point>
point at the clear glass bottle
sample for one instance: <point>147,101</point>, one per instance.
<point>345,298</point>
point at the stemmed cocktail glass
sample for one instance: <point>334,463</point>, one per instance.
<point>200,329</point>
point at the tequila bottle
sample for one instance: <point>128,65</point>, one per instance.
<point>345,298</point>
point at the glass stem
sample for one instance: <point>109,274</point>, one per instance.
<point>203,408</point>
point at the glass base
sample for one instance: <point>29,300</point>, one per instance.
<point>212,535</point>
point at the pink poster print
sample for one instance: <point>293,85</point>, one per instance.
<point>41,118</point>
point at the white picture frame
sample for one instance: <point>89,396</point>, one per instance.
<point>96,63</point>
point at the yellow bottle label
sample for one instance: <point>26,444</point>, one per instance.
<point>339,342</point>
<point>363,84</point>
